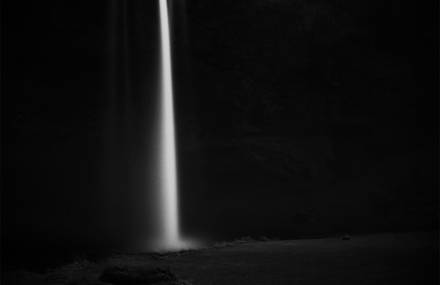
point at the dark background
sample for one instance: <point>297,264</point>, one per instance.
<point>295,118</point>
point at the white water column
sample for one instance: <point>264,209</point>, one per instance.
<point>169,208</point>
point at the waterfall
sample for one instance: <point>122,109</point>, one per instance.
<point>169,208</point>
<point>169,235</point>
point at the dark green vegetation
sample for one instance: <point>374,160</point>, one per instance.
<point>385,259</point>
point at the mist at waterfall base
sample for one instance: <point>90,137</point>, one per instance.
<point>294,119</point>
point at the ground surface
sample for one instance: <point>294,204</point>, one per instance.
<point>371,259</point>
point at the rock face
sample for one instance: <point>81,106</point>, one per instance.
<point>303,121</point>
<point>137,275</point>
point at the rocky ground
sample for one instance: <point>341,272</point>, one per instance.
<point>369,259</point>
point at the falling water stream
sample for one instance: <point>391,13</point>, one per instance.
<point>169,237</point>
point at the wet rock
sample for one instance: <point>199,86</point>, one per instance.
<point>346,237</point>
<point>137,275</point>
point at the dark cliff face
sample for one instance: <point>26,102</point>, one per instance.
<point>294,117</point>
<point>321,64</point>
<point>311,116</point>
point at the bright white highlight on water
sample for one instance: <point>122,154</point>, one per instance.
<point>169,237</point>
